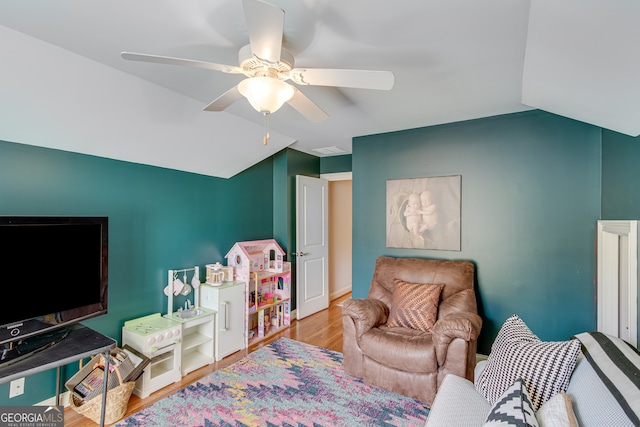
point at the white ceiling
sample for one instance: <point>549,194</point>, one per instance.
<point>64,85</point>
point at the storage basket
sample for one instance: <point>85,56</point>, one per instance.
<point>118,393</point>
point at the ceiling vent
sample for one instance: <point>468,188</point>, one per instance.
<point>329,150</point>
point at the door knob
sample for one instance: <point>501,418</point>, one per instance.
<point>300,253</point>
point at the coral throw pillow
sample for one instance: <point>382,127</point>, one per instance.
<point>414,305</point>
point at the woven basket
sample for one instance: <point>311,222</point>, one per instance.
<point>117,401</point>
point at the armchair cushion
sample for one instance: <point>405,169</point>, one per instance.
<point>403,349</point>
<point>414,305</point>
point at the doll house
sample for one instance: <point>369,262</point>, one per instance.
<point>260,264</point>
<point>254,256</point>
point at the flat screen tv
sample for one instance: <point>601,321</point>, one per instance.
<point>53,273</point>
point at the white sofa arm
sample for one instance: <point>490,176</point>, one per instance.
<point>457,404</point>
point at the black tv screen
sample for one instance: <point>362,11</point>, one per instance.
<point>53,273</point>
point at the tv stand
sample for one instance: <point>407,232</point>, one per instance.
<point>15,351</point>
<point>80,342</point>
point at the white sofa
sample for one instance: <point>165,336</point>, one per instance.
<point>458,403</point>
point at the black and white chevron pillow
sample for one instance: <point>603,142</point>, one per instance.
<point>513,408</point>
<point>544,367</point>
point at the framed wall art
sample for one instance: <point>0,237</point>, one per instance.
<point>424,213</point>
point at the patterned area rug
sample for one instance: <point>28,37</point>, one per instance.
<point>286,383</point>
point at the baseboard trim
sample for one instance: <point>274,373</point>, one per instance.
<point>339,292</point>
<point>64,400</point>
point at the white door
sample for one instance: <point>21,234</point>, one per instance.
<point>312,248</point>
<point>618,279</point>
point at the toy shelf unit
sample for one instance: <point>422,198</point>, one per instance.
<point>260,265</point>
<point>268,304</point>
<point>197,340</point>
<point>196,322</point>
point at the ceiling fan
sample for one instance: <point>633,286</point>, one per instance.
<point>268,65</point>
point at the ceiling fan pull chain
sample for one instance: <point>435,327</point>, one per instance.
<point>266,128</point>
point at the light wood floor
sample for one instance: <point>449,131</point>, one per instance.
<point>323,329</point>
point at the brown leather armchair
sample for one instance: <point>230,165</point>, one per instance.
<point>408,361</point>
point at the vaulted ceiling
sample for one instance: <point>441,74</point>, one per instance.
<point>64,85</point>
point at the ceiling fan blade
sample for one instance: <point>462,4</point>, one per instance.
<point>265,24</point>
<point>363,79</point>
<point>142,57</point>
<point>224,100</point>
<point>305,106</point>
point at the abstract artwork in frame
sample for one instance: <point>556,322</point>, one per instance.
<point>424,213</point>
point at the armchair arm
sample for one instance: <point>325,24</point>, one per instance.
<point>464,325</point>
<point>366,313</point>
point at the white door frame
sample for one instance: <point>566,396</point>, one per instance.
<point>617,293</point>
<point>337,176</point>
<point>337,263</point>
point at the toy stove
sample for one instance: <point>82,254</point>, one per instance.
<point>159,339</point>
<point>151,333</point>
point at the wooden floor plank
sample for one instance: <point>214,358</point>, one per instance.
<point>323,329</point>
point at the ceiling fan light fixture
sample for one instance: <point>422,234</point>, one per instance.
<point>265,94</point>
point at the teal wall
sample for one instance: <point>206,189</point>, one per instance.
<point>620,178</point>
<point>158,219</point>
<point>531,196</point>
<point>281,195</point>
<point>530,202</point>
<point>334,164</point>
<point>287,164</point>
